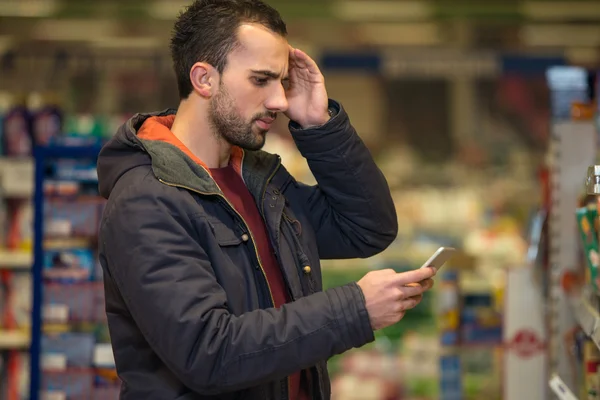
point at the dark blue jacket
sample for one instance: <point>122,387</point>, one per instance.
<point>188,305</point>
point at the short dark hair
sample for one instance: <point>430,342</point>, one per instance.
<point>207,31</point>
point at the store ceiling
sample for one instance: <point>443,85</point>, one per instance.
<point>399,10</point>
<point>493,24</point>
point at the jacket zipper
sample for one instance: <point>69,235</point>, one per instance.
<point>241,218</point>
<point>262,209</point>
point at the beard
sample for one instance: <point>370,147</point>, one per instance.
<point>230,126</point>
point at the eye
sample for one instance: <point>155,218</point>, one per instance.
<point>260,81</point>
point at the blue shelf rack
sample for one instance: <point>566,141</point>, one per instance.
<point>43,156</point>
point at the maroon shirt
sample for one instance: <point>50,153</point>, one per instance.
<point>240,197</point>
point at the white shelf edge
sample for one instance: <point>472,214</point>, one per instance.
<point>13,340</point>
<point>559,388</point>
<point>15,260</point>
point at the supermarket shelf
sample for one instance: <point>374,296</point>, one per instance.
<point>16,177</point>
<point>16,260</point>
<point>587,315</point>
<point>12,340</point>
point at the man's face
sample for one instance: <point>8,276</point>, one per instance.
<point>251,91</point>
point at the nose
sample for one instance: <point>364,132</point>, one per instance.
<point>277,101</point>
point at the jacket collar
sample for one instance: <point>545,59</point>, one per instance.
<point>173,167</point>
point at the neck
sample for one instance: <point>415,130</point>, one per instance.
<point>194,131</point>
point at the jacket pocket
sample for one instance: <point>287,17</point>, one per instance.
<point>225,235</point>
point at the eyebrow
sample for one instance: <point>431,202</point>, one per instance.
<point>270,74</point>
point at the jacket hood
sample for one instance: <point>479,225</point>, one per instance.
<point>126,150</point>
<point>123,152</point>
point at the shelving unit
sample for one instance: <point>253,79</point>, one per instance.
<point>70,356</point>
<point>16,260</point>
<point>573,147</point>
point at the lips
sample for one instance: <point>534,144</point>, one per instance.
<point>265,123</point>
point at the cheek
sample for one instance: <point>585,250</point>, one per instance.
<point>250,102</point>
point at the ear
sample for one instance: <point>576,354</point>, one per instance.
<point>204,78</point>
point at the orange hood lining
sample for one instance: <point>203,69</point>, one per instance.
<point>159,128</point>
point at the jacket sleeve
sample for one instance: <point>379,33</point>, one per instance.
<point>351,207</point>
<point>170,289</point>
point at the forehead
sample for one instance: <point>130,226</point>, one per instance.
<point>260,49</point>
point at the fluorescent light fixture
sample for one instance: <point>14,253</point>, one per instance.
<point>405,34</point>
<point>561,10</point>
<point>73,29</point>
<point>28,8</point>
<point>561,35</point>
<point>109,42</point>
<point>356,10</point>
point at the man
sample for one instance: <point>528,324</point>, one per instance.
<point>211,249</point>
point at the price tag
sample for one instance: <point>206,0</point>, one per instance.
<point>57,313</point>
<point>103,356</point>
<point>54,362</point>
<point>11,177</point>
<point>59,227</point>
<point>54,395</point>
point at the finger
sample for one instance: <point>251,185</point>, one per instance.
<point>414,276</point>
<point>428,283</point>
<point>412,290</point>
<point>304,61</point>
<point>417,299</point>
<point>410,303</point>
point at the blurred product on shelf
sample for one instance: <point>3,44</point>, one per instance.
<point>481,322</point>
<point>449,308</point>
<point>587,218</point>
<point>16,132</point>
<point>368,375</point>
<point>451,377</point>
<point>591,362</point>
<point>419,365</point>
<point>47,125</point>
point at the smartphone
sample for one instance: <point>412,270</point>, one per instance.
<point>439,258</point>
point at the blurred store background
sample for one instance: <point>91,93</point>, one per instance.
<point>463,104</point>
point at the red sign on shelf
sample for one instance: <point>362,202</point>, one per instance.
<point>526,343</point>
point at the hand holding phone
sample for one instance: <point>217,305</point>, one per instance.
<point>389,294</point>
